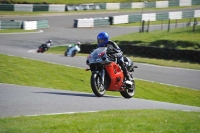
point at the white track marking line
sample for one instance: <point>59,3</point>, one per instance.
<point>165,84</point>
<point>167,67</point>
<point>158,82</point>
<point>32,51</point>
<point>59,113</point>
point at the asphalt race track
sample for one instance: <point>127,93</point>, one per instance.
<point>18,100</point>
<point>22,100</point>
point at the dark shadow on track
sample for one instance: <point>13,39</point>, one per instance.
<point>75,94</point>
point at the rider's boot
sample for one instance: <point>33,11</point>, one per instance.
<point>127,75</point>
<point>128,78</point>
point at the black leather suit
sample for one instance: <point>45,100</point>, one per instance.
<point>114,50</point>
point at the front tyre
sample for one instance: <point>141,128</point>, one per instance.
<point>65,54</point>
<point>96,85</point>
<point>74,53</point>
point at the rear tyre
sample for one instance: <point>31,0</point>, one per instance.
<point>129,91</point>
<point>96,85</point>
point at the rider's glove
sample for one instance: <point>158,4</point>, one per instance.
<point>118,54</point>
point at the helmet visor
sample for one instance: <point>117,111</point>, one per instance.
<point>100,41</point>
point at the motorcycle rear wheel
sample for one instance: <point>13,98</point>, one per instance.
<point>96,85</point>
<point>129,92</point>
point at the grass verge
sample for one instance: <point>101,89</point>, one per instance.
<point>180,38</point>
<point>16,70</point>
<point>15,31</point>
<point>137,121</point>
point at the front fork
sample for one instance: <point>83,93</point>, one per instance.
<point>101,75</point>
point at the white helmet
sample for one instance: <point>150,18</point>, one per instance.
<point>79,43</point>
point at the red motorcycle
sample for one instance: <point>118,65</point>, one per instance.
<point>106,74</point>
<point>41,49</point>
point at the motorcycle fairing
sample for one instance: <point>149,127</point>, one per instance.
<point>72,49</point>
<point>116,76</point>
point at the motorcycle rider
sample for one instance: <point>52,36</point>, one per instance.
<point>48,44</point>
<point>78,44</point>
<point>113,50</point>
<point>72,45</point>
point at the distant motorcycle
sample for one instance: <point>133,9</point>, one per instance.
<point>41,49</point>
<point>72,50</point>
<point>44,47</point>
<point>106,74</point>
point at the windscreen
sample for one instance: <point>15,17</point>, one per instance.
<point>98,51</point>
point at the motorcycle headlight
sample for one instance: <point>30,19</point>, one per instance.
<point>96,59</point>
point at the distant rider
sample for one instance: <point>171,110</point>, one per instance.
<point>48,44</point>
<point>73,45</point>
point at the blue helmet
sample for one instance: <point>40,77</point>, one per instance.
<point>102,39</point>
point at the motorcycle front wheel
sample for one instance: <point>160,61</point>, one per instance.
<point>74,53</point>
<point>65,54</point>
<point>96,85</point>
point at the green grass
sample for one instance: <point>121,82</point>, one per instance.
<point>166,62</point>
<point>15,31</point>
<point>136,121</point>
<point>180,38</point>
<point>16,70</point>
